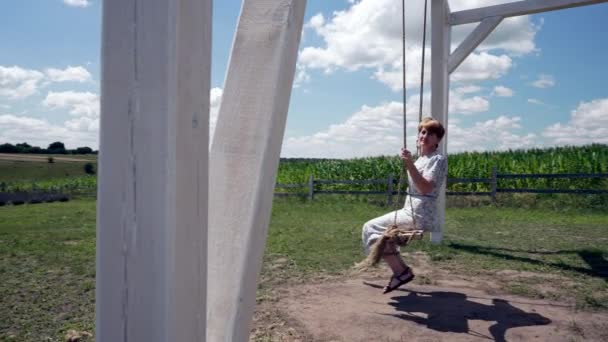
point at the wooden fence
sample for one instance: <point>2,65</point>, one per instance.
<point>311,188</point>
<point>315,186</point>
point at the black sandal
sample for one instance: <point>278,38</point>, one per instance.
<point>400,281</point>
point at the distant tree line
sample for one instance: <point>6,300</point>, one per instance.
<point>54,148</point>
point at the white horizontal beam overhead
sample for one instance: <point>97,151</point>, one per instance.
<point>244,159</point>
<point>472,41</point>
<point>516,8</point>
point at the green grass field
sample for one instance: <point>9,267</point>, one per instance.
<point>47,255</point>
<point>47,267</point>
<point>47,251</point>
<point>30,170</point>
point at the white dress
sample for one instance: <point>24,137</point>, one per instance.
<point>422,207</point>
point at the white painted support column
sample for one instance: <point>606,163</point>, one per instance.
<point>244,159</point>
<point>440,86</point>
<point>153,171</point>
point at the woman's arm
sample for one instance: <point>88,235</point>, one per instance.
<point>423,185</point>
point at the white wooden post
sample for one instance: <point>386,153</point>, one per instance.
<point>440,83</point>
<point>493,184</point>
<point>153,171</point>
<point>311,187</point>
<point>442,63</point>
<point>389,190</point>
<point>244,158</point>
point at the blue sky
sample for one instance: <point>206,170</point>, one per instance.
<point>537,81</point>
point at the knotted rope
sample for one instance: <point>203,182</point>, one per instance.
<point>394,235</point>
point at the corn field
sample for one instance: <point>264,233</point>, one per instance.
<point>582,159</point>
<point>64,185</point>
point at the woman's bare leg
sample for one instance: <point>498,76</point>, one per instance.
<point>393,259</point>
<point>398,266</point>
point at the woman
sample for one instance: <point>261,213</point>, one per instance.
<point>426,176</point>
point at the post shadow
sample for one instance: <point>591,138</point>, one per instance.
<point>451,311</point>
<point>594,258</point>
<point>597,261</point>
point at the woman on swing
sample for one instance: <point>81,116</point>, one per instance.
<point>426,175</point>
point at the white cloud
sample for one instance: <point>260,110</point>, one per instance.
<point>370,131</point>
<point>19,83</point>
<point>316,22</point>
<point>367,35</point>
<point>83,124</point>
<point>536,102</point>
<point>77,3</point>
<point>588,124</point>
<point>79,103</point>
<point>75,74</point>
<point>81,130</point>
<point>467,89</point>
<point>514,35</point>
<point>496,134</point>
<point>544,81</point>
<point>17,129</point>
<point>214,109</point>
<point>482,66</point>
<point>460,104</point>
<point>379,130</point>
<point>301,76</point>
<point>471,105</point>
<point>503,91</point>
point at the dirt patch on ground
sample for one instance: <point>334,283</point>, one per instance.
<point>434,307</point>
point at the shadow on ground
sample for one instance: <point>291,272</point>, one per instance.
<point>594,258</point>
<point>451,311</point>
<point>458,310</point>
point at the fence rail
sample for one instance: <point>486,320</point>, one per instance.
<point>557,191</point>
<point>554,175</point>
<point>312,186</point>
<point>315,186</point>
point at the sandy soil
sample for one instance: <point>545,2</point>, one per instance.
<point>353,308</point>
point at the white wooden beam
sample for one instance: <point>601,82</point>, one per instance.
<point>472,41</point>
<point>244,159</point>
<point>153,171</point>
<point>440,82</point>
<point>516,8</point>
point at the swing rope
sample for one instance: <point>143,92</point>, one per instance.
<point>395,234</point>
<point>403,42</point>
<point>403,174</point>
<point>422,68</point>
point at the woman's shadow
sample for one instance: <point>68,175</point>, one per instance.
<point>450,312</point>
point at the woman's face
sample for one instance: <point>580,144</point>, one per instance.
<point>427,139</point>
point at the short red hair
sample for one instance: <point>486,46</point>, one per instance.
<point>432,126</point>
